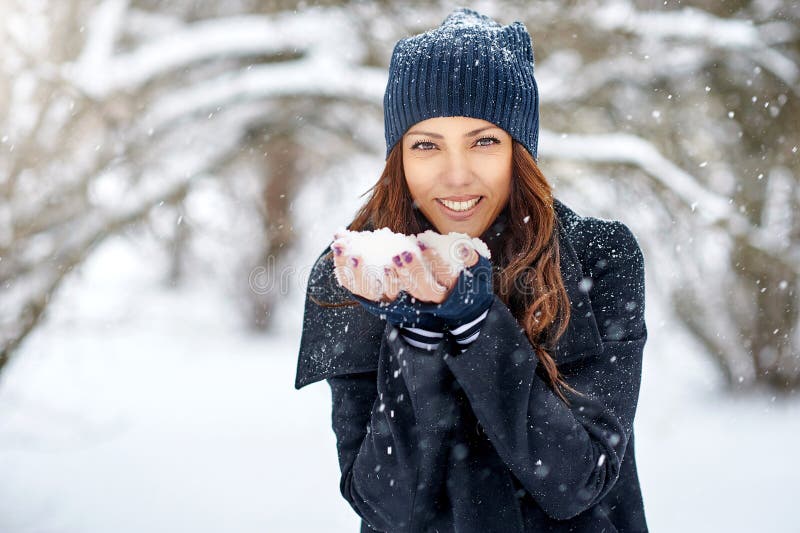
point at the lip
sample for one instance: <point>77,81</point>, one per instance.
<point>459,215</point>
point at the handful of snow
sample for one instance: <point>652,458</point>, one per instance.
<point>376,248</point>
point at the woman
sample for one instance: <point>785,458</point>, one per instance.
<point>506,401</point>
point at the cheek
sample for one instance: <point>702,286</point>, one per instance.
<point>505,176</point>
<point>418,181</point>
<point>504,181</point>
<point>415,186</point>
<point>498,179</point>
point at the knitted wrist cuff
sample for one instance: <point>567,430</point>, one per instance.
<point>401,313</point>
<point>470,297</point>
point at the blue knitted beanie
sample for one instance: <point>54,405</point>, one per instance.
<point>469,66</point>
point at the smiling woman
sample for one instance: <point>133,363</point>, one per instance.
<point>510,408</point>
<point>458,171</point>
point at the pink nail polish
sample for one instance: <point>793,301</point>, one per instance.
<point>397,260</point>
<point>354,261</point>
<point>407,257</point>
<point>422,245</point>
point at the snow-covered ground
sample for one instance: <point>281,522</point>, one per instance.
<point>141,408</point>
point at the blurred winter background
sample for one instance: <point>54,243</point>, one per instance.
<point>169,171</point>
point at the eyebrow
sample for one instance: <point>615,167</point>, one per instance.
<point>437,136</point>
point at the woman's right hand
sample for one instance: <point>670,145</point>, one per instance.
<point>376,284</point>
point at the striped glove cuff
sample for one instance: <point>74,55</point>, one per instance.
<point>463,335</point>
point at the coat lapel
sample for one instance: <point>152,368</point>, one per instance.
<point>582,337</point>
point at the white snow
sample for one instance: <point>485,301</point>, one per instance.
<point>376,248</point>
<point>137,408</point>
<point>448,247</point>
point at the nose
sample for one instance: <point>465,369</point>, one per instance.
<point>457,173</point>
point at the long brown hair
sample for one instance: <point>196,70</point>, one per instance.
<point>529,281</point>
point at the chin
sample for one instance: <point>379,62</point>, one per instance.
<point>470,227</point>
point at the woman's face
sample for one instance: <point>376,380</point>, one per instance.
<point>454,161</point>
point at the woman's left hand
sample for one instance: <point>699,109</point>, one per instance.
<point>431,279</point>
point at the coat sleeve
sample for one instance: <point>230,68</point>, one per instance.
<point>391,427</point>
<point>566,457</point>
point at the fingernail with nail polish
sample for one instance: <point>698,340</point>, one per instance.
<point>407,257</point>
<point>337,250</point>
<point>354,261</point>
<point>422,245</point>
<point>397,260</point>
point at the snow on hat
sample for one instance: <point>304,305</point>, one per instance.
<point>469,66</point>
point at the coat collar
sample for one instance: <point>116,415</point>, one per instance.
<point>582,337</point>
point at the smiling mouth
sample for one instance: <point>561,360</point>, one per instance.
<point>460,207</point>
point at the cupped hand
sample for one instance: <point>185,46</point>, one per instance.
<point>421,273</point>
<point>368,281</point>
<point>431,280</point>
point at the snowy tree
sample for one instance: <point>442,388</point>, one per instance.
<point>690,113</point>
<point>120,114</point>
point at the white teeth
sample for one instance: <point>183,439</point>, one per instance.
<point>461,206</point>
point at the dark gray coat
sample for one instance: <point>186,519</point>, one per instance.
<point>478,442</point>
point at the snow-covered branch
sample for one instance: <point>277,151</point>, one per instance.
<point>694,25</point>
<point>557,74</point>
<point>25,300</point>
<point>99,74</point>
<point>687,23</point>
<point>102,31</point>
<point>314,76</point>
<point>632,150</point>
